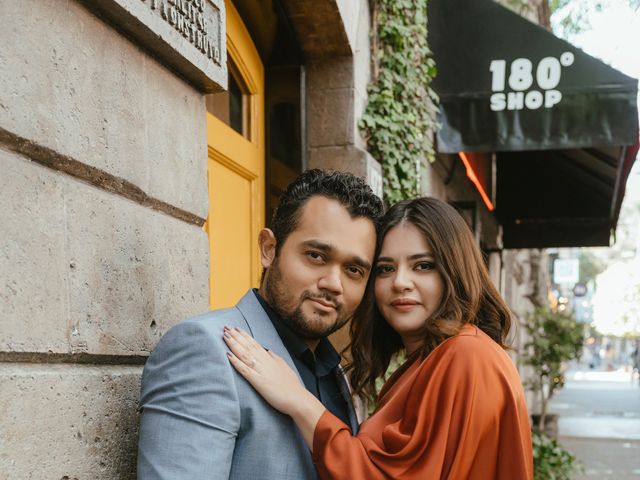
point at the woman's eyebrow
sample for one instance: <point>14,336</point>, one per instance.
<point>415,256</point>
<point>421,255</point>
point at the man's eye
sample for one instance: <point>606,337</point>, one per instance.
<point>315,256</point>
<point>355,271</point>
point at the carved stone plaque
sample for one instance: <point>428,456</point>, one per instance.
<point>188,36</point>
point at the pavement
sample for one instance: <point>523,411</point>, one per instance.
<point>599,422</point>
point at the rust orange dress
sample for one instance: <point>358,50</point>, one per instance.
<point>458,414</point>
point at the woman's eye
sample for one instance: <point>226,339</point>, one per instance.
<point>425,266</point>
<point>383,269</point>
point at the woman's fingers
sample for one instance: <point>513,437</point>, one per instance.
<point>245,348</point>
<point>241,367</point>
<point>268,373</point>
<point>249,343</point>
<point>238,349</point>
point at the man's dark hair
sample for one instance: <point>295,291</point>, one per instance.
<point>352,193</point>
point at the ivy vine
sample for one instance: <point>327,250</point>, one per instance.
<point>399,120</point>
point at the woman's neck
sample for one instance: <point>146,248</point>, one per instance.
<point>411,345</point>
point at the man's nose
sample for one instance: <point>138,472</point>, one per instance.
<point>331,280</point>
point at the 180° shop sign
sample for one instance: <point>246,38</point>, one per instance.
<point>520,81</point>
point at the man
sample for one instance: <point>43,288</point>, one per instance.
<point>200,419</point>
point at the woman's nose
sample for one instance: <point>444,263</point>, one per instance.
<point>402,280</point>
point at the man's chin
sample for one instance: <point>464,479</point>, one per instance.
<point>316,326</point>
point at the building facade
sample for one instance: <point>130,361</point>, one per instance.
<point>142,147</point>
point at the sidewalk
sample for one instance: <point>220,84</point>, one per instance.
<point>600,422</point>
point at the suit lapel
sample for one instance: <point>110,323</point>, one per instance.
<point>343,385</point>
<point>261,328</point>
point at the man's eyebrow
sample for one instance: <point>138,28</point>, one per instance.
<point>361,262</point>
<point>327,248</point>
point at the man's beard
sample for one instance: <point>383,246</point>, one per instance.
<point>282,302</point>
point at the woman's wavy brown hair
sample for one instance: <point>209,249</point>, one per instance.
<point>469,295</point>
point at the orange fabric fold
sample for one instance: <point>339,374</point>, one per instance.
<point>458,414</point>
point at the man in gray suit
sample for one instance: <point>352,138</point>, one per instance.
<point>200,419</point>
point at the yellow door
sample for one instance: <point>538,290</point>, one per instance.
<point>235,137</point>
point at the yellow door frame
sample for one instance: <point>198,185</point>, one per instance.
<point>241,159</point>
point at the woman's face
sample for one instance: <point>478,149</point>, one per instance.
<point>408,287</point>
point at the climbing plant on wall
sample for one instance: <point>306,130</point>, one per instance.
<point>399,120</point>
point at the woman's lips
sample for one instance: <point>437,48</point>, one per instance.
<point>404,304</point>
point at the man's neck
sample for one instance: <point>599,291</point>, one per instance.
<point>312,344</point>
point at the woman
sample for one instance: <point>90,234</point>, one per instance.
<point>455,409</point>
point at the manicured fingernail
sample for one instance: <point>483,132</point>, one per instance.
<point>236,329</point>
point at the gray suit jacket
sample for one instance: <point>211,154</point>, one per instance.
<point>202,420</point>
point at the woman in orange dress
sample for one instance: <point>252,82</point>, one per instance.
<point>455,409</point>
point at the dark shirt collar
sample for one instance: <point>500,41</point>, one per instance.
<point>321,362</point>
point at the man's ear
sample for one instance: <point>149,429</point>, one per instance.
<point>267,243</point>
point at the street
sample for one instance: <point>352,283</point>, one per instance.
<point>599,422</point>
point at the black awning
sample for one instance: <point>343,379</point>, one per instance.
<point>507,84</point>
<point>563,125</point>
<point>561,198</point>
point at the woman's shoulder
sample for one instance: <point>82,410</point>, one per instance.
<point>470,347</point>
<point>470,339</point>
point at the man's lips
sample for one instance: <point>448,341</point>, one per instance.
<point>323,303</point>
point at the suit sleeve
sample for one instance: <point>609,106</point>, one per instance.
<point>190,410</point>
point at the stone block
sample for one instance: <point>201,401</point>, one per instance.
<point>362,71</point>
<point>330,117</point>
<point>68,421</point>
<point>320,27</point>
<point>350,159</point>
<point>75,85</point>
<point>349,14</point>
<point>33,274</point>
<point>187,38</point>
<point>84,271</point>
<point>330,74</point>
<point>345,158</point>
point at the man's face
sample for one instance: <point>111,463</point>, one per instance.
<point>319,276</point>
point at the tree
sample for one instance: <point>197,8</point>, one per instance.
<point>573,15</point>
<point>554,338</point>
<point>591,265</point>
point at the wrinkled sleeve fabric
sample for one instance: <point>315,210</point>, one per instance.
<point>190,410</point>
<point>448,426</point>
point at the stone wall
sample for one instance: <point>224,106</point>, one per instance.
<point>103,190</point>
<point>337,97</point>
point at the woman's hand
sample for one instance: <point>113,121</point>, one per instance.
<point>275,381</point>
<point>268,373</point>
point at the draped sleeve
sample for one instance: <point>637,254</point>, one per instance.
<point>460,413</point>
